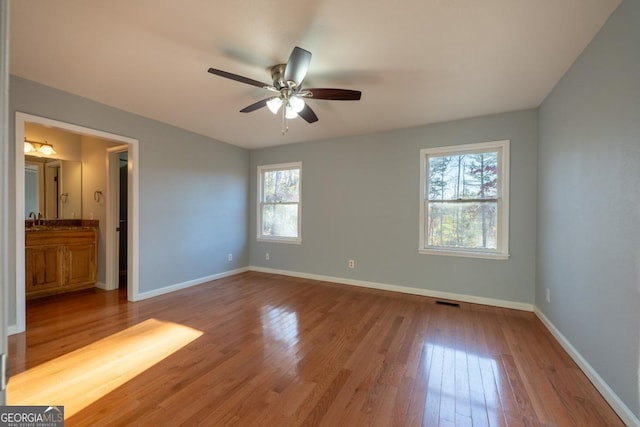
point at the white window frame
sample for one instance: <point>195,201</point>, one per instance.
<point>260,203</point>
<point>502,251</point>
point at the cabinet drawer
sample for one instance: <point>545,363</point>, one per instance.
<point>59,237</point>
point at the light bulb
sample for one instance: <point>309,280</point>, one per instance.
<point>289,112</point>
<point>274,105</point>
<point>29,148</point>
<point>47,150</point>
<point>297,104</point>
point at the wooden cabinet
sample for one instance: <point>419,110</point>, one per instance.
<point>80,264</point>
<point>43,268</point>
<point>60,260</point>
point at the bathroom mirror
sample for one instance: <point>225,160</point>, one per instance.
<point>53,188</point>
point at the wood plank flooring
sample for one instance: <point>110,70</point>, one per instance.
<point>267,350</point>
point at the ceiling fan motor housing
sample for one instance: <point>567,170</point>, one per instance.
<point>277,75</point>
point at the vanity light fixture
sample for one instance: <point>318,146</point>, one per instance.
<point>33,147</point>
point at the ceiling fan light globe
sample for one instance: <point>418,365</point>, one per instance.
<point>290,113</point>
<point>274,105</point>
<point>297,103</point>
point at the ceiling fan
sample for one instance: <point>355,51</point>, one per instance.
<point>288,92</point>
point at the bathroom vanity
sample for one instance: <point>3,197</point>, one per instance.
<point>60,257</point>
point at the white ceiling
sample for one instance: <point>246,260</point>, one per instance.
<point>415,61</point>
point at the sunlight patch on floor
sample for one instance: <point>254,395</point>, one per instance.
<point>77,379</point>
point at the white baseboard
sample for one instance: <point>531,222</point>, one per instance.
<point>618,405</point>
<point>189,283</point>
<point>101,285</point>
<point>403,289</point>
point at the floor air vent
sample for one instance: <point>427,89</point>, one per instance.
<point>447,303</point>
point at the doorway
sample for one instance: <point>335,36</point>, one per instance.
<point>128,145</point>
<point>118,229</point>
<point>122,228</point>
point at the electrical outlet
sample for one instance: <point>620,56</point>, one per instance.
<point>230,257</point>
<point>352,263</point>
<point>548,295</point>
<point>266,256</point>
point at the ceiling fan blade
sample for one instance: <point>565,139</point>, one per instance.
<point>297,65</point>
<point>308,114</point>
<point>238,78</point>
<point>255,106</point>
<point>335,94</point>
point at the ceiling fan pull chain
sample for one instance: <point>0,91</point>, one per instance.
<point>285,124</point>
<point>284,121</point>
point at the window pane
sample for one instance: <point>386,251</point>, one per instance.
<point>463,176</point>
<point>281,186</point>
<point>462,225</point>
<point>280,220</point>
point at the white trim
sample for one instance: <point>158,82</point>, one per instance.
<point>290,241</point>
<point>472,148</point>
<point>503,199</point>
<point>4,193</point>
<point>259,204</point>
<point>190,283</point>
<point>20,325</point>
<point>20,120</point>
<point>102,286</point>
<point>609,395</point>
<point>133,219</point>
<point>402,289</point>
<point>464,253</point>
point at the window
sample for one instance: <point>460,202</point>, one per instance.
<point>464,192</point>
<point>279,203</point>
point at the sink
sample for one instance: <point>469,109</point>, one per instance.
<point>38,228</point>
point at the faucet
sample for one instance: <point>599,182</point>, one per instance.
<point>35,217</point>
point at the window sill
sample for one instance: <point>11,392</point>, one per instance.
<point>464,254</point>
<point>279,240</point>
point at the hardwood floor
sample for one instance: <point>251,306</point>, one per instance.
<point>258,349</point>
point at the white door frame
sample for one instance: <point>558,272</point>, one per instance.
<point>133,245</point>
<point>4,191</point>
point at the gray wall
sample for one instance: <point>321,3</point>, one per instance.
<point>193,190</point>
<point>95,177</point>
<point>589,204</point>
<point>360,200</point>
